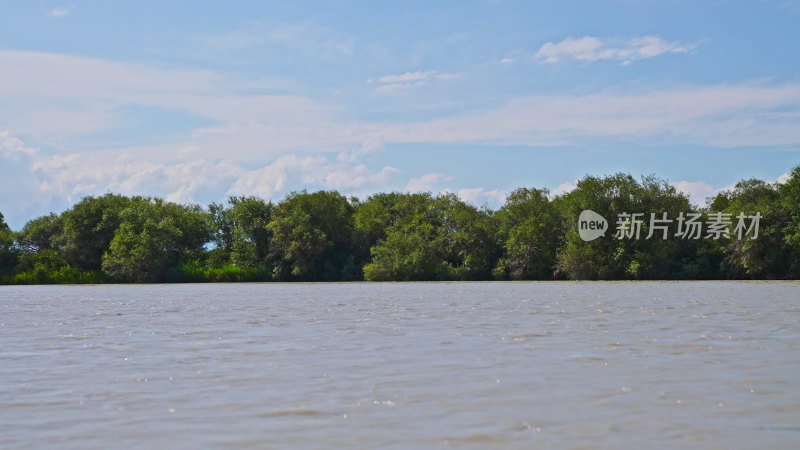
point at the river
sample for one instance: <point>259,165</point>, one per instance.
<point>401,365</point>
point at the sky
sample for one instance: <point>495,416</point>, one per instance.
<point>196,101</point>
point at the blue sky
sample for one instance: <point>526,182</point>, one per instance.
<point>196,101</point>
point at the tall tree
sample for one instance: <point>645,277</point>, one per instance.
<point>251,236</point>
<point>313,237</point>
<point>39,243</point>
<point>89,227</point>
<point>8,251</point>
<point>790,200</point>
<point>153,237</point>
<point>530,230</point>
<point>770,254</point>
<point>611,258</point>
<point>429,238</point>
<point>41,233</point>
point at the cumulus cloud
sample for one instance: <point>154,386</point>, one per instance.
<point>13,147</point>
<point>697,191</point>
<point>564,188</point>
<point>425,182</point>
<point>20,194</point>
<point>79,175</point>
<point>590,48</point>
<point>295,172</point>
<point>57,181</point>
<point>482,197</point>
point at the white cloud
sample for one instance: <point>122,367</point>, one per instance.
<point>373,144</point>
<point>59,11</point>
<point>77,175</point>
<point>357,177</point>
<point>57,181</point>
<point>425,182</point>
<point>19,191</point>
<point>506,60</point>
<point>306,38</point>
<point>406,77</point>
<point>13,147</point>
<point>51,97</point>
<point>293,172</point>
<point>589,48</point>
<point>564,188</point>
<point>480,196</point>
<point>697,191</point>
<point>410,79</point>
<point>721,116</point>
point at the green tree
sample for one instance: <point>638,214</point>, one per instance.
<point>222,224</point>
<point>790,201</point>
<point>251,236</point>
<point>404,230</point>
<point>40,234</point>
<point>88,228</point>
<point>154,237</point>
<point>611,258</point>
<point>429,238</point>
<point>376,214</point>
<point>530,229</point>
<point>770,255</point>
<point>8,251</point>
<point>39,244</point>
<point>466,237</point>
<point>313,237</point>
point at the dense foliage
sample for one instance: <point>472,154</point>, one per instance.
<point>324,236</point>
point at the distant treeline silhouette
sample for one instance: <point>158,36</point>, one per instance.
<point>324,236</point>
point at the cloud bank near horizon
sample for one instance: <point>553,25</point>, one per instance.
<point>256,101</point>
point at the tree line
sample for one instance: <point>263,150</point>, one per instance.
<point>325,236</point>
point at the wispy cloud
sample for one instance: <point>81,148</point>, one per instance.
<point>306,38</point>
<point>59,11</point>
<point>373,144</point>
<point>56,96</point>
<point>719,116</point>
<point>410,79</point>
<point>50,97</point>
<point>590,48</point>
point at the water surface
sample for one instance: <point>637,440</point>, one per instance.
<point>398,365</point>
